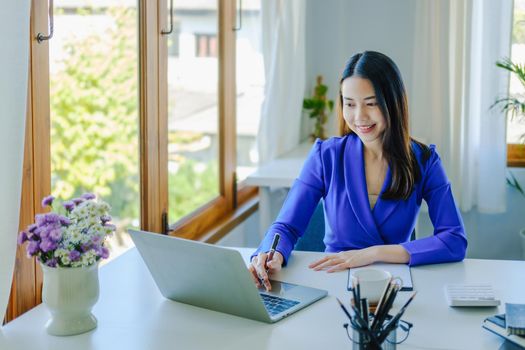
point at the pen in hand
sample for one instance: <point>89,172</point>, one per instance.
<point>275,242</point>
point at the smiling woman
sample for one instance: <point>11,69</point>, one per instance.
<point>372,180</point>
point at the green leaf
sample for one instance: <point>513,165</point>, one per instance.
<point>513,182</point>
<point>320,90</point>
<point>308,103</point>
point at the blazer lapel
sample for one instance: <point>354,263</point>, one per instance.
<point>355,183</point>
<point>384,207</point>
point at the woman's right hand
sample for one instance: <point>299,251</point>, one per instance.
<point>260,268</point>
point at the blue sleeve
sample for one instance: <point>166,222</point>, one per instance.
<point>448,243</point>
<point>300,203</point>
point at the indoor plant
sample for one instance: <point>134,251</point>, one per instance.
<point>69,242</point>
<point>319,107</point>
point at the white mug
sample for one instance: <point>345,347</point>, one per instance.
<point>372,283</point>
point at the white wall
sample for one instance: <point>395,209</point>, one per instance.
<point>337,29</point>
<point>14,26</point>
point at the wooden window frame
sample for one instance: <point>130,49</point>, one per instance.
<point>516,155</point>
<point>26,290</point>
<point>210,222</point>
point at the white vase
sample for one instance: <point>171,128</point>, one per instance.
<point>70,293</point>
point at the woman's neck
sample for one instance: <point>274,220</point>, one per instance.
<point>373,151</point>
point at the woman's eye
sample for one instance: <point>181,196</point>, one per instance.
<point>372,104</point>
<point>350,105</point>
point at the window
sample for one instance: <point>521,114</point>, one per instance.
<point>138,117</point>
<point>94,112</point>
<point>516,126</point>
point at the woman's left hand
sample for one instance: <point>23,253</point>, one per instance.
<point>345,260</point>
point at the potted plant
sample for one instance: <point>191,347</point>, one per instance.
<point>68,242</point>
<point>319,107</point>
<point>514,106</point>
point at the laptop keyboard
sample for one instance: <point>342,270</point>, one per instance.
<point>276,305</point>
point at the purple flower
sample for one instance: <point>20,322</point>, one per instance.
<point>96,239</point>
<point>105,218</point>
<point>105,253</point>
<point>48,245</point>
<point>77,201</point>
<point>40,219</point>
<point>32,248</point>
<point>52,218</point>
<point>48,201</point>
<point>88,196</point>
<point>85,247</point>
<point>52,262</point>
<point>74,255</point>
<point>101,251</point>
<point>64,221</point>
<point>55,234</point>
<point>22,237</point>
<point>69,205</point>
<point>44,232</point>
<point>35,235</point>
<point>32,227</point>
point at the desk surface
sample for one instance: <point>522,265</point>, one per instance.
<point>132,314</point>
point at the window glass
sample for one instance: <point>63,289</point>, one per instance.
<point>193,140</point>
<point>95,108</point>
<point>516,126</point>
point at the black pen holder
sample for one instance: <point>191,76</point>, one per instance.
<point>361,341</point>
<point>366,339</point>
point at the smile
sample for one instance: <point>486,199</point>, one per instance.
<point>365,128</point>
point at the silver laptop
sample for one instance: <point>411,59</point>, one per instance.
<point>216,278</point>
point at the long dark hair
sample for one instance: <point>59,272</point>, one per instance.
<point>392,100</point>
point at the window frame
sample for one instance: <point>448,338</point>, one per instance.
<point>516,155</point>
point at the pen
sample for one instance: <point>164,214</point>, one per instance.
<point>358,293</point>
<point>364,311</point>
<point>392,324</point>
<point>276,239</point>
<point>381,304</point>
<point>344,309</point>
<point>386,306</point>
<point>363,328</point>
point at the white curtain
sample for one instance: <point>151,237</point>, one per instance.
<point>283,28</point>
<point>14,65</point>
<point>455,83</point>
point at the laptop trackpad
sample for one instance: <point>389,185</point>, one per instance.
<point>280,288</point>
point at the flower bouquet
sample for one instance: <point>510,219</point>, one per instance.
<point>69,242</point>
<point>73,238</point>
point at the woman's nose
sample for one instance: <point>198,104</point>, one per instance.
<point>360,113</point>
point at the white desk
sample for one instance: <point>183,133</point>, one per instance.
<point>132,314</point>
<point>278,173</point>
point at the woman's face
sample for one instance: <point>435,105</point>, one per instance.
<point>361,110</point>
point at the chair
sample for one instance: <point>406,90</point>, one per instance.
<point>312,240</point>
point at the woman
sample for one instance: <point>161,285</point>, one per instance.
<point>372,180</point>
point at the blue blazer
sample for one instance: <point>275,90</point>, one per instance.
<point>335,171</point>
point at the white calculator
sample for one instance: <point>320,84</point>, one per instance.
<point>475,295</point>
